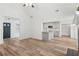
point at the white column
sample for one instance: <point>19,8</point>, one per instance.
<point>60,33</point>
<point>74,32</point>
<point>1,31</point>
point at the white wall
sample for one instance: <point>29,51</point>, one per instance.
<point>15,32</point>
<point>33,27</point>
<point>46,13</point>
<point>17,11</point>
<point>38,27</point>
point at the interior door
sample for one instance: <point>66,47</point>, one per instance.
<point>6,30</point>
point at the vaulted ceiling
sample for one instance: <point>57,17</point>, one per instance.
<point>41,10</point>
<point>58,10</point>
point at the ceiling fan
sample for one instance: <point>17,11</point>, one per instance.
<point>28,5</point>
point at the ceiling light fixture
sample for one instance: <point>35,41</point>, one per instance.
<point>27,4</point>
<point>57,10</point>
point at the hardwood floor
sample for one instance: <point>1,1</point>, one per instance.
<point>33,47</point>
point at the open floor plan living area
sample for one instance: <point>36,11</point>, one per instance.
<point>39,29</point>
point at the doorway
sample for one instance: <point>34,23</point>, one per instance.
<point>6,30</point>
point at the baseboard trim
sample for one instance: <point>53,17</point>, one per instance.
<point>65,36</point>
<point>32,38</point>
<point>36,38</point>
<point>23,39</point>
<point>1,42</point>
